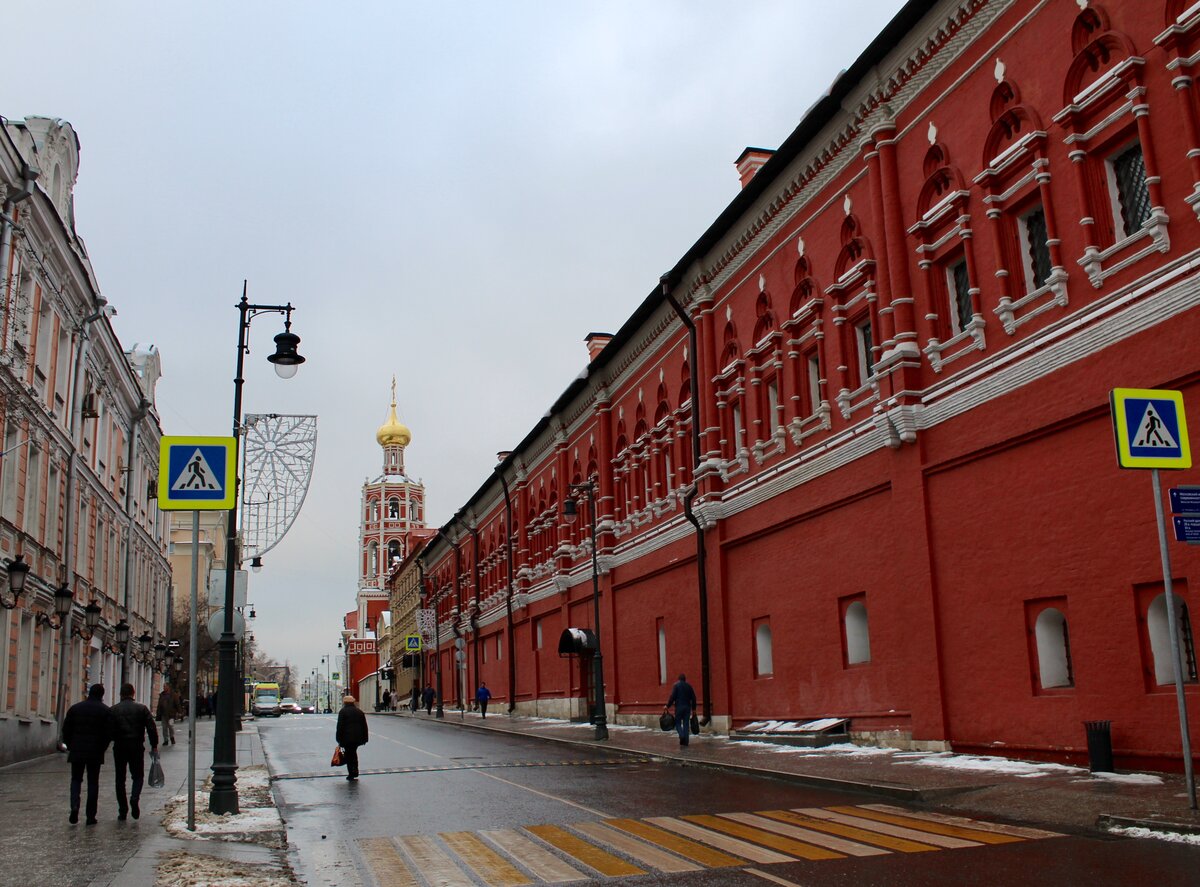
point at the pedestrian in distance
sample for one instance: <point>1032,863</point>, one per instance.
<point>415,702</point>
<point>387,700</point>
<point>482,695</point>
<point>683,699</point>
<point>87,730</point>
<point>132,723</point>
<point>427,697</point>
<point>351,733</point>
<point>166,711</point>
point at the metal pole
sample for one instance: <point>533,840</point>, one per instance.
<point>191,820</point>
<point>601,712</point>
<point>1173,628</point>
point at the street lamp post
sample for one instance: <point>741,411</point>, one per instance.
<point>328,687</point>
<point>223,798</point>
<point>570,513</point>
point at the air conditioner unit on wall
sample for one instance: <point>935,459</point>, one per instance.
<point>88,409</point>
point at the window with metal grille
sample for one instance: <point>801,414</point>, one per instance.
<point>1129,170</point>
<point>1189,648</point>
<point>960,295</point>
<point>866,344</point>
<point>1036,241</point>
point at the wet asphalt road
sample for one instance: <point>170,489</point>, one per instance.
<point>439,805</point>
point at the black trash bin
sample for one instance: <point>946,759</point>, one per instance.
<point>1099,741</point>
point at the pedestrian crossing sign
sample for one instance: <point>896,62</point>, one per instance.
<point>1151,428</point>
<point>412,643</point>
<point>197,473</point>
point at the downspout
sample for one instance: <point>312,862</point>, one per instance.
<point>143,410</point>
<point>475,610</point>
<point>508,599</point>
<point>690,495</point>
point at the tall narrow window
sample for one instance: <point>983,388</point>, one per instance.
<point>1133,193</point>
<point>1037,247</point>
<point>960,296</point>
<point>1159,630</point>
<point>538,636</point>
<point>814,383</point>
<point>865,337</point>
<point>82,535</point>
<point>764,657</point>
<point>661,631</point>
<point>10,465</point>
<point>857,636</point>
<point>499,647</point>
<point>737,428</point>
<point>1053,649</point>
<point>773,406</point>
<point>33,483</point>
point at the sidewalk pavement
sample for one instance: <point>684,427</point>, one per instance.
<point>40,847</point>
<point>1057,796</point>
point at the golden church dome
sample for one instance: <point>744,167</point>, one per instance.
<point>393,432</point>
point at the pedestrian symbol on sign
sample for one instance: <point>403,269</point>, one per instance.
<point>1151,428</point>
<point>198,475</point>
<point>1152,432</point>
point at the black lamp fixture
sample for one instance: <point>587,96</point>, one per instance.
<point>91,614</point>
<point>160,653</point>
<point>256,564</point>
<point>63,598</point>
<point>18,570</point>
<point>286,359</point>
<point>145,642</point>
<point>121,633</point>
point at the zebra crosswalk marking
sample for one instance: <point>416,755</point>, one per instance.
<point>646,854</point>
<point>432,863</point>
<point>848,831</point>
<point>493,868</point>
<point>696,852</point>
<point>790,846</point>
<point>954,831</point>
<point>850,848</point>
<point>1017,831</point>
<point>384,861</point>
<point>894,830</point>
<point>533,856</point>
<point>745,849</point>
<point>589,854</point>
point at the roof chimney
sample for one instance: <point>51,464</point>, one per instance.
<point>751,161</point>
<point>596,343</point>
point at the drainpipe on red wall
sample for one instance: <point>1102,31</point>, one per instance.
<point>701,564</point>
<point>508,547</point>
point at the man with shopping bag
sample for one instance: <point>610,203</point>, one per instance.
<point>351,733</point>
<point>132,723</point>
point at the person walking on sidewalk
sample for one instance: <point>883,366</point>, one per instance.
<point>351,733</point>
<point>427,697</point>
<point>166,711</point>
<point>482,695</point>
<point>87,730</point>
<point>132,722</point>
<point>387,700</point>
<point>683,698</point>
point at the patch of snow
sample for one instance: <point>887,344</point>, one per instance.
<point>951,761</point>
<point>185,869</point>
<point>1129,778</point>
<point>1173,837</point>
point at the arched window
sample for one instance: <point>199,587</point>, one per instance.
<point>1159,629</point>
<point>1053,649</point>
<point>764,660</point>
<point>373,559</point>
<point>854,623</point>
<point>662,652</point>
<point>393,508</point>
<point>394,551</point>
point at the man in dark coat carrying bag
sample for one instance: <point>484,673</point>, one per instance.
<point>683,698</point>
<point>351,733</point>
<point>87,730</point>
<point>132,722</point>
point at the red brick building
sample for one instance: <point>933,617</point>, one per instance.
<point>883,457</point>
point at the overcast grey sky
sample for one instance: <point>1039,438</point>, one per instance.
<point>452,193</point>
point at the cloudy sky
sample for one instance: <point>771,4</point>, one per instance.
<point>452,193</point>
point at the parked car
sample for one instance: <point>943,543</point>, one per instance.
<point>308,708</point>
<point>266,706</point>
<point>289,706</point>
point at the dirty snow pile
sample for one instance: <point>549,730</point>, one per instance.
<point>257,820</point>
<point>180,869</point>
<point>1173,837</point>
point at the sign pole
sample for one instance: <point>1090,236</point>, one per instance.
<point>191,819</point>
<point>1173,628</point>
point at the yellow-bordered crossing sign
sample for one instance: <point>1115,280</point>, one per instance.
<point>1151,428</point>
<point>197,473</point>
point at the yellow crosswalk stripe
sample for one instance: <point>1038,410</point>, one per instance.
<point>723,842</point>
<point>434,865</point>
<point>954,831</point>
<point>385,863</point>
<point>646,854</point>
<point>486,862</point>
<point>848,831</point>
<point>533,856</point>
<point>590,855</point>
<point>790,846</point>
<point>850,848</point>
<point>894,830</point>
<point>1018,831</point>
<point>706,856</point>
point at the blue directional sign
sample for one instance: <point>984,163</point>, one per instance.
<point>197,473</point>
<point>1187,528</point>
<point>1185,500</point>
<point>1151,429</point>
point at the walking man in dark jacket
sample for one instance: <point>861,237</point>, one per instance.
<point>482,696</point>
<point>87,730</point>
<point>427,697</point>
<point>166,711</point>
<point>683,697</point>
<point>351,733</point>
<point>132,722</point>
